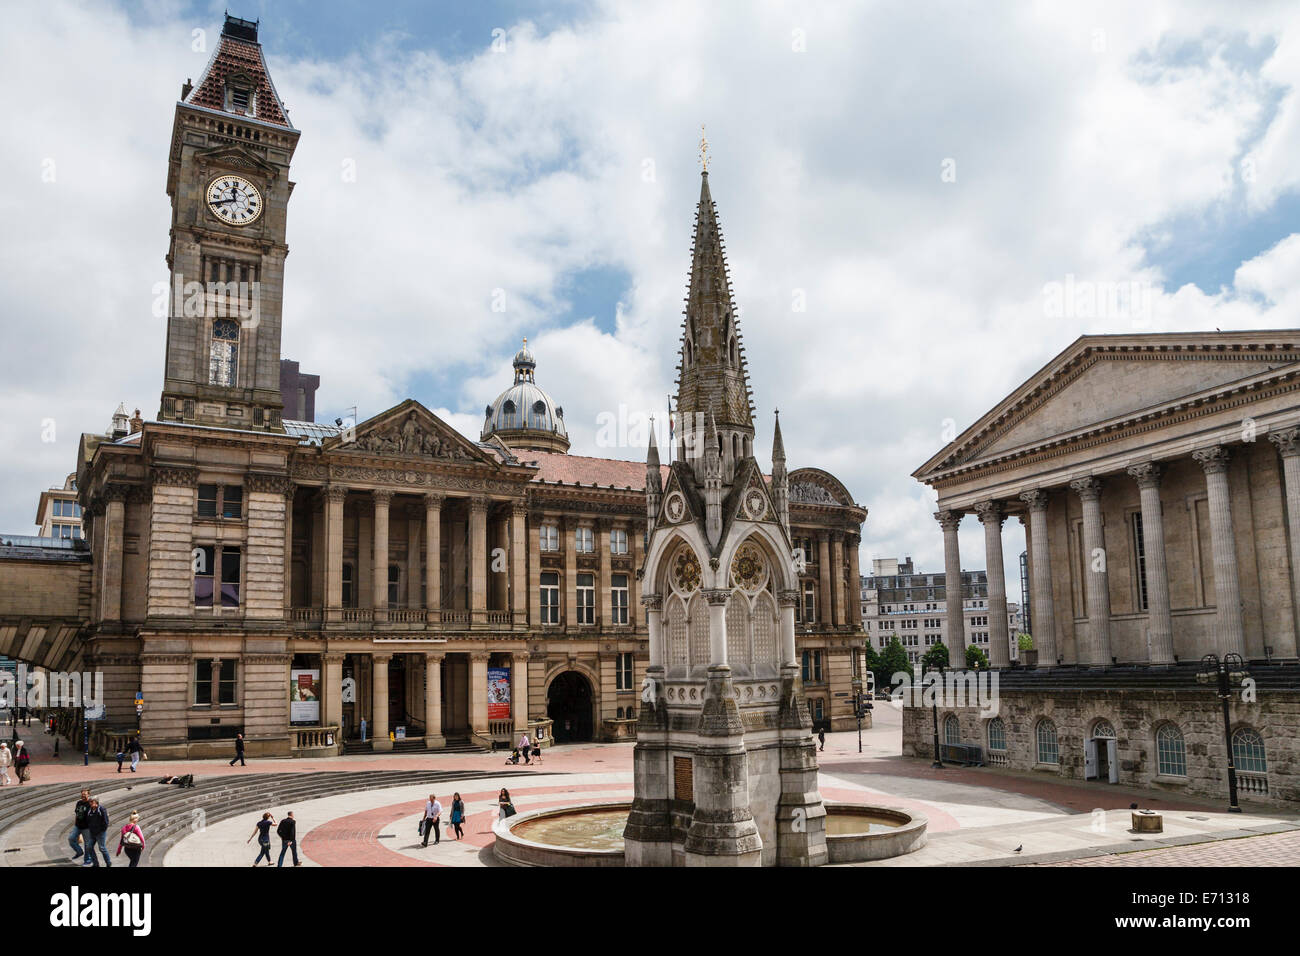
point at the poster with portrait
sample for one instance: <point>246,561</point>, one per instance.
<point>304,696</point>
<point>498,693</point>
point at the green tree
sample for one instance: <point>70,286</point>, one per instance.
<point>892,661</point>
<point>1025,641</point>
<point>935,658</point>
<point>871,663</point>
<point>976,658</point>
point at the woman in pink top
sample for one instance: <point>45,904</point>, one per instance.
<point>132,839</point>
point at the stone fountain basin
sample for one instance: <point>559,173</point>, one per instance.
<point>590,834</point>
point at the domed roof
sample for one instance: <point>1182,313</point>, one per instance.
<point>525,415</point>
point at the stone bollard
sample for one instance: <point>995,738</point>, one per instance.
<point>1148,821</point>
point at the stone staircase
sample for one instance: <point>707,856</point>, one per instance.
<point>170,813</point>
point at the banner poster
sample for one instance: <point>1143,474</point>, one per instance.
<point>498,693</point>
<point>304,696</point>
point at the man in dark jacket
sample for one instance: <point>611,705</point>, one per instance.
<point>239,751</point>
<point>79,837</point>
<point>287,831</point>
<point>97,824</point>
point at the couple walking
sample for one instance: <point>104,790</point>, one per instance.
<point>431,821</point>
<point>287,831</point>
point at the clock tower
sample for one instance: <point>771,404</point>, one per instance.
<point>228,180</point>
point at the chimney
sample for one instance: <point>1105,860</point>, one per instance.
<point>137,423</point>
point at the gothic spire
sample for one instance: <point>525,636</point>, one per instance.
<point>778,446</point>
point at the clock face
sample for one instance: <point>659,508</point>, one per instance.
<point>235,200</point>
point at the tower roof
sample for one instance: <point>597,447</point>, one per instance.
<point>524,415</point>
<point>712,374</point>
<point>237,66</point>
<point>778,446</point>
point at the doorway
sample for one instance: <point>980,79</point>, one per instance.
<point>1101,754</point>
<point>569,705</point>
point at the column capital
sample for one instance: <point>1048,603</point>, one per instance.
<point>116,491</point>
<point>174,476</point>
<point>433,657</point>
<point>381,496</point>
<point>1036,499</point>
<point>716,596</point>
<point>948,520</point>
<point>519,509</point>
<point>1146,474</point>
<point>652,602</point>
<point>334,493</point>
<point>268,484</point>
<point>787,598</point>
<point>990,512</point>
<point>480,657</point>
<point>381,658</point>
<point>1287,441</point>
<point>1213,459</point>
<point>433,500</point>
<point>333,657</point>
<point>1089,489</point>
<point>478,505</point>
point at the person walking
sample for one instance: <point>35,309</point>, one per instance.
<point>121,758</point>
<point>505,805</point>
<point>6,761</point>
<point>97,828</point>
<point>262,830</point>
<point>136,751</point>
<point>22,760</point>
<point>131,839</point>
<point>432,811</point>
<point>821,737</point>
<point>287,831</point>
<point>239,753</point>
<point>524,748</point>
<point>79,837</point>
<point>457,816</point>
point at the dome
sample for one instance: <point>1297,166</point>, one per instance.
<point>525,416</point>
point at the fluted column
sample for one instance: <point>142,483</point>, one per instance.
<point>334,496</point>
<point>433,701</point>
<point>519,691</point>
<point>1160,625</point>
<point>379,700</point>
<point>1288,446</point>
<point>654,606</point>
<point>414,579</point>
<point>787,599</point>
<point>1096,577</point>
<point>949,521</point>
<point>332,689</point>
<point>365,588</point>
<point>853,543</point>
<point>991,516</point>
<point>379,574</point>
<point>837,579</point>
<point>433,561</point>
<point>824,613</point>
<point>606,602</point>
<point>113,538</point>
<point>289,490</point>
<point>478,509</point>
<point>478,718</point>
<point>518,565</point>
<point>1040,567</point>
<point>1227,587</point>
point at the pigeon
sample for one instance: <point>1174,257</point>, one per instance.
<point>1018,849</point>
<point>1132,806</point>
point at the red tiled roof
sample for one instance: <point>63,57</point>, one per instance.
<point>577,470</point>
<point>238,56</point>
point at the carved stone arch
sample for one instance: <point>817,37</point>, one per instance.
<point>579,667</point>
<point>775,548</point>
<point>659,557</point>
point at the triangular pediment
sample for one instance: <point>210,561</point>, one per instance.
<point>749,499</point>
<point>1103,383</point>
<point>409,430</point>
<point>678,505</point>
<point>231,156</point>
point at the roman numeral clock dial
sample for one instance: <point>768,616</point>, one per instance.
<point>235,200</point>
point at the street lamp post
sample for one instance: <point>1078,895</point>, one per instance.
<point>857,707</point>
<point>1223,674</point>
<point>934,712</point>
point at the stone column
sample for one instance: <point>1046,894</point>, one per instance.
<point>717,601</point>
<point>949,521</point>
<point>518,565</point>
<point>1288,445</point>
<point>569,582</point>
<point>606,604</point>
<point>332,686</point>
<point>433,561</point>
<point>519,691</point>
<point>379,698</point>
<point>853,543</point>
<point>1227,587</point>
<point>380,565</point>
<point>825,614</point>
<point>478,718</point>
<point>1096,578</point>
<point>334,495</point>
<point>114,545</point>
<point>1160,627</point>
<point>991,516</point>
<point>289,489</point>
<point>433,701</point>
<point>1043,607</point>
<point>788,599</point>
<point>316,535</point>
<point>837,580</point>
<point>478,509</point>
<point>365,553</point>
<point>535,570</point>
<point>654,606</point>
<point>414,577</point>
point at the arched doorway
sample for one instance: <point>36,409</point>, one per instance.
<point>569,705</point>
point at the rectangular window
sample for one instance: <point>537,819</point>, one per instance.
<point>585,540</point>
<point>809,615</point>
<point>205,563</point>
<point>394,586</point>
<point>1140,560</point>
<point>349,596</point>
<point>230,561</point>
<point>208,495</point>
<point>203,682</point>
<point>224,500</point>
<point>624,672</point>
<point>226,686</point>
<point>549,536</point>
<point>550,598</point>
<point>812,667</point>
<point>618,541</point>
<point>586,599</point>
<point>618,598</point>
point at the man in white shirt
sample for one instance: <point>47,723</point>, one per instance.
<point>432,810</point>
<point>524,748</point>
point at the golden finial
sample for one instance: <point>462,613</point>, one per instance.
<point>704,150</point>
<point>525,341</point>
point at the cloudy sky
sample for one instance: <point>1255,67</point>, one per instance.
<point>898,185</point>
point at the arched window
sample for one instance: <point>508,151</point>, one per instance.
<point>951,730</point>
<point>766,626</point>
<point>731,350</point>
<point>997,735</point>
<point>1048,749</point>
<point>699,624</point>
<point>738,655</point>
<point>676,633</point>
<point>1248,751</point>
<point>223,353</point>
<point>1171,751</point>
<point>1103,728</point>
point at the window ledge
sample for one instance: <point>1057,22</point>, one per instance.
<point>1171,778</point>
<point>1047,767</point>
